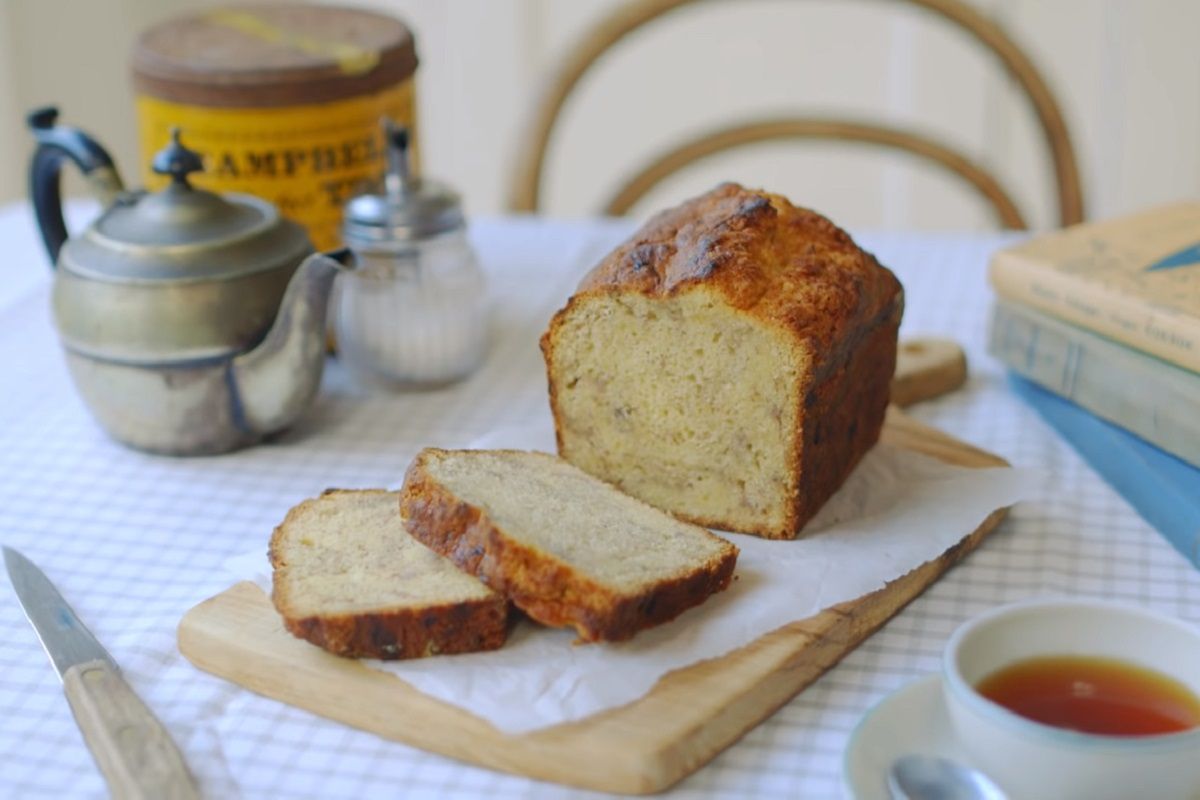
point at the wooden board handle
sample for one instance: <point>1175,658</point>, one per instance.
<point>927,368</point>
<point>131,747</point>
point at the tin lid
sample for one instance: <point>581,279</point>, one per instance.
<point>272,55</point>
<point>408,209</point>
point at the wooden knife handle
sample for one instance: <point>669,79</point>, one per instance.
<point>130,745</point>
<point>927,368</point>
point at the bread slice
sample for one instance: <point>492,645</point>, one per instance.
<point>565,547</point>
<point>730,363</point>
<point>348,578</point>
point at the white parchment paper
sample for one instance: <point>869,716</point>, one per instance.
<point>898,510</point>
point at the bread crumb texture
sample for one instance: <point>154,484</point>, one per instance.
<point>566,548</point>
<point>730,363</point>
<point>349,578</point>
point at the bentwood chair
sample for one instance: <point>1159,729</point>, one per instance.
<point>599,43</point>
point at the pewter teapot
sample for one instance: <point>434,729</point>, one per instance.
<point>192,322</point>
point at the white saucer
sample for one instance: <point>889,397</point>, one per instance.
<point>911,719</point>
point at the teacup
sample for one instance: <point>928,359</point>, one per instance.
<point>1036,760</point>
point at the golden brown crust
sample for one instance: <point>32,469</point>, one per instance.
<point>767,257</point>
<point>545,588</point>
<point>465,627</point>
<point>448,628</point>
<point>843,417</point>
<point>780,265</point>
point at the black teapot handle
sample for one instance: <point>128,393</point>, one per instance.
<point>56,144</point>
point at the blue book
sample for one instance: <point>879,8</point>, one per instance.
<point>1163,489</point>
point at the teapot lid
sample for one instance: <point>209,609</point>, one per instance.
<point>409,208</point>
<point>184,232</point>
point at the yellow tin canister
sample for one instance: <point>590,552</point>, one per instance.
<point>284,101</point>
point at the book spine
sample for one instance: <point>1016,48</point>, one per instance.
<point>1148,397</point>
<point>1127,318</point>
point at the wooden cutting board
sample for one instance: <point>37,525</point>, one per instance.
<point>686,719</point>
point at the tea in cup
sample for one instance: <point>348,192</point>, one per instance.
<point>1078,698</point>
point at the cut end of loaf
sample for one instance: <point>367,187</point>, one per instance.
<point>348,578</point>
<point>565,547</point>
<point>682,403</point>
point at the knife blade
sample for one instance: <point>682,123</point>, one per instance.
<point>131,747</point>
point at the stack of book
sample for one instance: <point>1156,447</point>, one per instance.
<point>1103,319</point>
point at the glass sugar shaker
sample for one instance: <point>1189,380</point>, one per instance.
<point>415,313</point>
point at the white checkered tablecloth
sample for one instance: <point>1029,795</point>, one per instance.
<point>133,540</point>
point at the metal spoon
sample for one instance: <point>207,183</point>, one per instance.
<point>917,777</point>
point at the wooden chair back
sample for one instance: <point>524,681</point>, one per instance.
<point>526,187</point>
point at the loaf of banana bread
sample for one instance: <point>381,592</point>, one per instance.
<point>730,363</point>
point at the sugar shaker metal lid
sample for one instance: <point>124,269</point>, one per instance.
<point>410,208</point>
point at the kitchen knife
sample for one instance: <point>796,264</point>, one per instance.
<point>131,747</point>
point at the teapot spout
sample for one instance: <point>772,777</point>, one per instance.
<point>275,382</point>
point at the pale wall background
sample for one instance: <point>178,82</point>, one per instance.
<point>1127,73</point>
